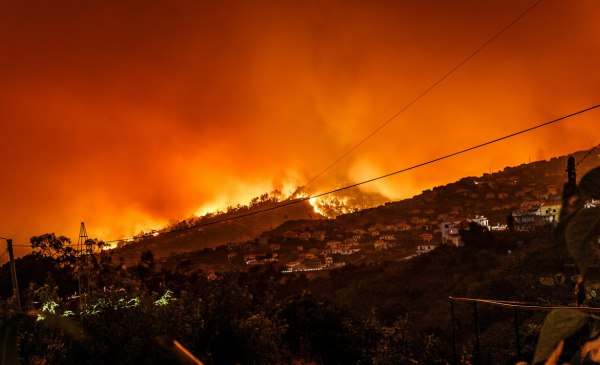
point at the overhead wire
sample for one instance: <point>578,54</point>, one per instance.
<point>307,198</point>
<point>423,93</point>
<point>587,154</point>
<point>1,256</point>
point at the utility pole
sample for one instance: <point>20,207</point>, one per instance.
<point>13,272</point>
<point>569,205</point>
<point>571,173</point>
<point>569,189</point>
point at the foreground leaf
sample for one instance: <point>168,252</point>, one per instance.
<point>581,237</point>
<point>558,325</point>
<point>590,183</point>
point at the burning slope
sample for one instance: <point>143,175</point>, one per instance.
<point>215,229</point>
<point>345,202</point>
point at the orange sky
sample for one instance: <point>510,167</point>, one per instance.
<point>126,114</point>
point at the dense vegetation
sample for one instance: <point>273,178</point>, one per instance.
<point>385,313</point>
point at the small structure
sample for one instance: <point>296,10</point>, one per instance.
<point>306,256</point>
<point>381,245</point>
<point>551,210</point>
<point>427,237</point>
<point>425,248</point>
<point>305,235</point>
<point>451,232</point>
<point>481,220</point>
<point>403,226</point>
<point>530,219</point>
<point>290,234</point>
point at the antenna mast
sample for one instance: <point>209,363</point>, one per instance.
<point>85,250</point>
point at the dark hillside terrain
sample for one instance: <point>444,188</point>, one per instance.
<point>238,230</point>
<point>495,196</point>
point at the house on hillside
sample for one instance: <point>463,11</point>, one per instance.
<point>592,203</point>
<point>418,220</point>
<point>328,261</point>
<point>403,226</point>
<point>351,241</point>
<point>290,266</point>
<point>425,248</point>
<point>290,234</point>
<point>451,232</point>
<point>306,235</point>
<point>481,220</point>
<point>529,220</point>
<point>333,245</point>
<point>318,235</point>
<point>426,237</point>
<point>375,227</point>
<point>551,210</point>
<point>390,228</point>
<point>530,204</point>
<point>552,190</point>
<point>381,245</point>
<point>306,256</point>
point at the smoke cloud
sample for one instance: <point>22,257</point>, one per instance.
<point>126,115</point>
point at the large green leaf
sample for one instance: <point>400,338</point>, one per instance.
<point>558,325</point>
<point>581,236</point>
<point>590,183</point>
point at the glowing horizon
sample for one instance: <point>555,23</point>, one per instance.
<point>128,117</point>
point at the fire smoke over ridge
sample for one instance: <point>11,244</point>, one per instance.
<point>127,115</point>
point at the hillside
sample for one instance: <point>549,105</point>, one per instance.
<point>210,235</point>
<point>494,196</point>
<point>376,307</point>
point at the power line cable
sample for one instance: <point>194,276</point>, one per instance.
<point>1,256</point>
<point>587,154</point>
<point>423,93</point>
<point>300,200</point>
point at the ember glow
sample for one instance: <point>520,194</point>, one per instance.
<point>127,115</point>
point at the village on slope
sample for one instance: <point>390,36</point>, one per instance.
<point>521,198</point>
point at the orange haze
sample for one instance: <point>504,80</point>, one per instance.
<point>126,114</point>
